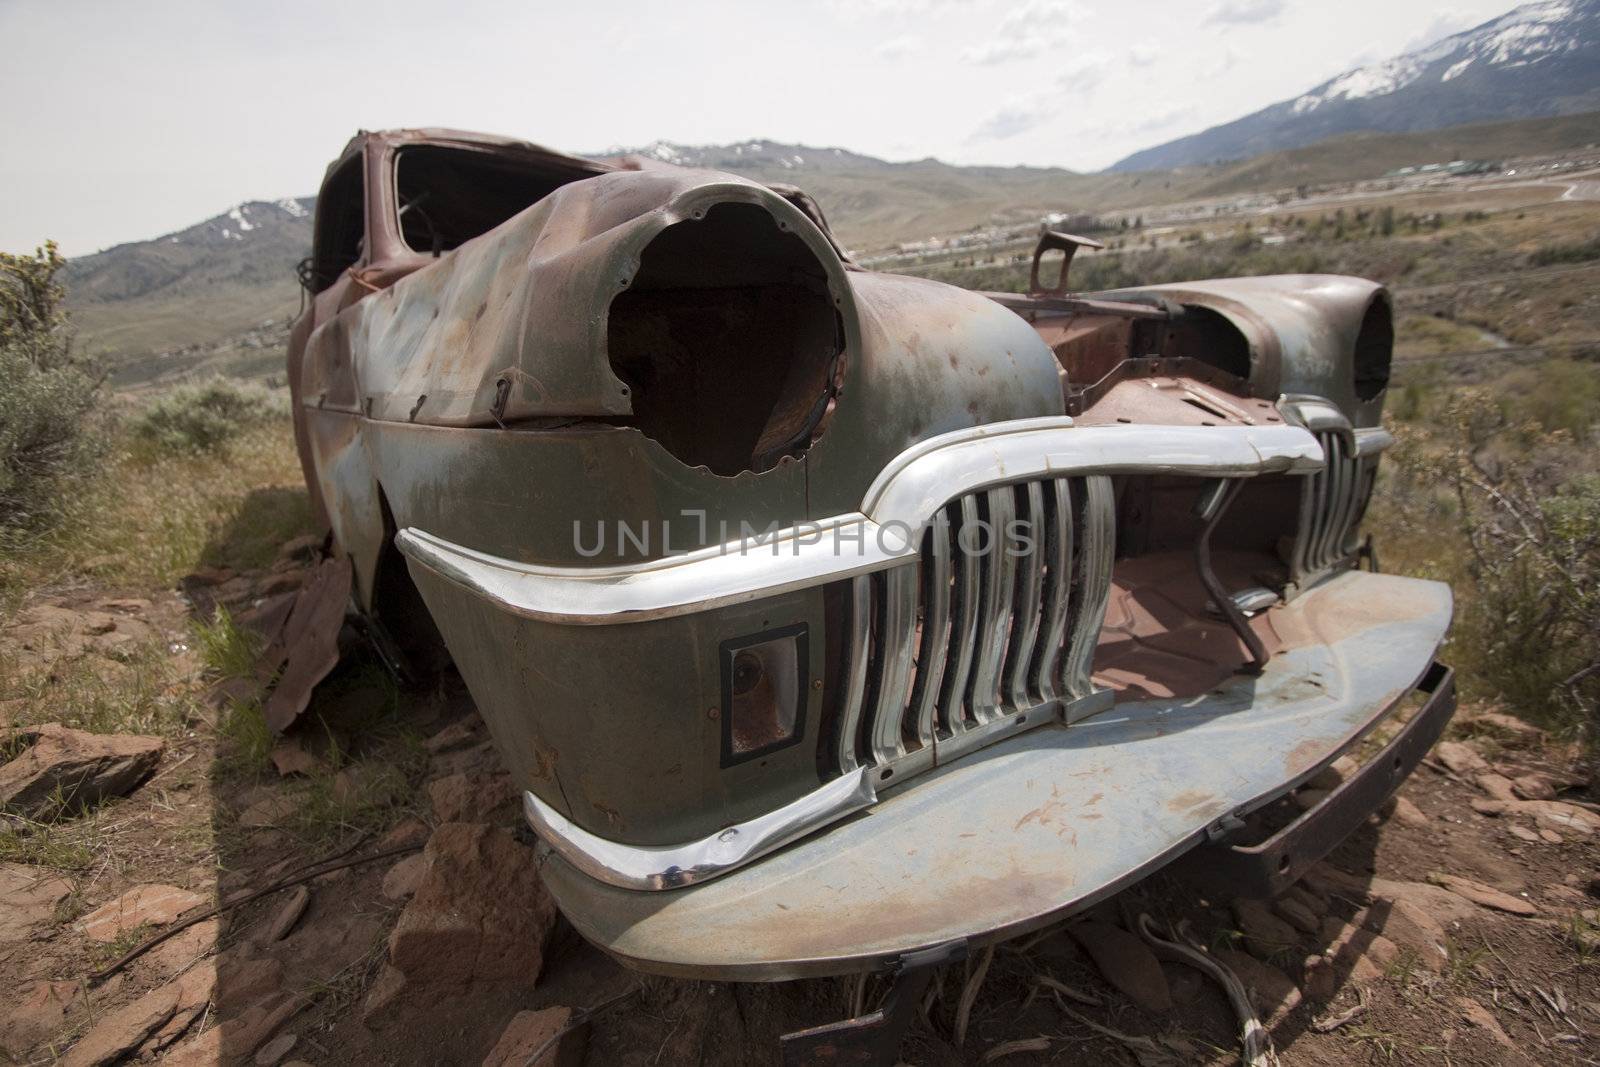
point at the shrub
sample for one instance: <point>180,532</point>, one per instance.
<point>50,396</point>
<point>1565,252</point>
<point>1526,510</point>
<point>204,416</point>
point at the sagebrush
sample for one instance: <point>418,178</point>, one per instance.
<point>204,416</point>
<point>49,407</point>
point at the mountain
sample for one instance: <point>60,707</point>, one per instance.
<point>219,295</point>
<point>231,276</point>
<point>763,155</point>
<point>1539,59</point>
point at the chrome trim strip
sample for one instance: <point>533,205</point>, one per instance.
<point>935,632</point>
<point>897,617</point>
<point>999,581</point>
<point>1093,582</point>
<point>1370,440</point>
<point>963,629</point>
<point>673,866</point>
<point>910,490</point>
<point>1059,591</point>
<point>855,685</point>
<point>1019,656</point>
<point>794,558</point>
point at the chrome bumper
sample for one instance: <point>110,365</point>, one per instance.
<point>1041,825</point>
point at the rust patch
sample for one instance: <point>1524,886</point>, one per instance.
<point>1190,799</point>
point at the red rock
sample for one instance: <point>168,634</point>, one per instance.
<point>248,980</point>
<point>182,950</point>
<point>1488,896</point>
<point>269,811</point>
<point>275,1050</point>
<point>290,757</point>
<point>405,832</point>
<point>481,912</point>
<point>37,1013</point>
<point>1496,786</point>
<point>1272,992</point>
<point>253,1026</point>
<point>121,1032</point>
<point>1437,902</point>
<point>288,913</point>
<point>1406,812</point>
<point>282,582</point>
<point>150,903</point>
<point>1522,833</point>
<point>72,768</point>
<point>1265,935</point>
<point>203,1050</point>
<point>458,734</point>
<point>1461,758</point>
<point>1319,982</point>
<point>1298,915</point>
<point>28,898</point>
<point>1356,951</point>
<point>400,881</point>
<point>528,1031</point>
<point>387,990</point>
<point>1126,962</point>
<point>1410,927</point>
<point>1483,1019</point>
<point>1533,787</point>
<point>1510,728</point>
<point>472,797</point>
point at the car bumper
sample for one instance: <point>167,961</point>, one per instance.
<point>1050,821</point>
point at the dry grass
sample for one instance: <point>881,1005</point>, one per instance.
<point>150,518</point>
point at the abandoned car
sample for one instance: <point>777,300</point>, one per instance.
<point>832,620</point>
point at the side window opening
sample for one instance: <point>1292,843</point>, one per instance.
<point>447,196</point>
<point>341,226</point>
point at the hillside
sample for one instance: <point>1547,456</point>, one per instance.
<point>219,295</point>
<point>1539,59</point>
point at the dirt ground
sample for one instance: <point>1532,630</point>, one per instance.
<point>1367,961</point>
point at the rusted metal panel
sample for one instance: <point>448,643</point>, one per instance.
<point>309,642</point>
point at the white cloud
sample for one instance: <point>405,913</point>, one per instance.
<point>1002,50</point>
<point>856,10</point>
<point>899,47</point>
<point>1244,12</point>
<point>1075,82</point>
<point>1017,117</point>
<point>1142,55</point>
<point>1028,29</point>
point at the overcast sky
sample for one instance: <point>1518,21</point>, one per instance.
<point>126,120</point>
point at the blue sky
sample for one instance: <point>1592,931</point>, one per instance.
<point>128,120</point>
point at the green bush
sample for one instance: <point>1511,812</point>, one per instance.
<point>204,416</point>
<point>49,398</point>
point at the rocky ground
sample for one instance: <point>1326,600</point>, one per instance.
<point>380,902</point>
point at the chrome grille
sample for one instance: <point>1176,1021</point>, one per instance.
<point>1332,503</point>
<point>972,642</point>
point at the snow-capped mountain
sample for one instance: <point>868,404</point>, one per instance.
<point>1539,59</point>
<point>749,155</point>
<point>252,241</point>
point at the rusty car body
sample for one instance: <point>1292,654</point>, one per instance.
<point>826,617</point>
